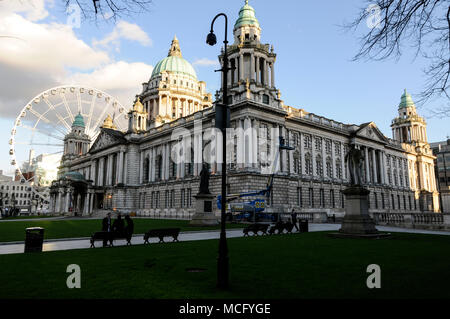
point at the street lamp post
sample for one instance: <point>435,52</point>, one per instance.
<point>223,260</point>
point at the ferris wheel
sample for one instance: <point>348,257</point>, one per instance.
<point>42,124</point>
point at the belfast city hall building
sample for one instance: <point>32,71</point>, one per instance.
<point>140,170</point>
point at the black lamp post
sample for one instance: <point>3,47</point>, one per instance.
<point>222,261</point>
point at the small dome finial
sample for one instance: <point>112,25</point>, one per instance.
<point>175,49</point>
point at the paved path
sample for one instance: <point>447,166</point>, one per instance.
<point>83,243</point>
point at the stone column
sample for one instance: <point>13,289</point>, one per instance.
<point>91,203</point>
<point>240,156</point>
<point>153,164</point>
<point>101,168</point>
<point>248,147</point>
<point>93,174</point>
<point>252,67</point>
<point>333,159</point>
<point>164,162</point>
<point>302,170</point>
<point>125,168</point>
<point>374,160</point>
<point>284,158</point>
<point>58,202</point>
<point>272,74</point>
<point>313,154</point>
<point>86,205</point>
<point>258,70</point>
<point>344,167</point>
<point>109,172</point>
<point>324,157</point>
<point>66,202</point>
<point>276,149</point>
<point>266,70</point>
<point>120,171</point>
<point>241,67</point>
<point>168,161</point>
<point>366,159</point>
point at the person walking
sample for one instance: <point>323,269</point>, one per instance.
<point>106,227</point>
<point>130,226</point>
<point>294,219</point>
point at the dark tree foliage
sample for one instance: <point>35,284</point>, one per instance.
<point>421,24</point>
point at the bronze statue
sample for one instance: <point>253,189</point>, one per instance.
<point>355,158</point>
<point>204,180</point>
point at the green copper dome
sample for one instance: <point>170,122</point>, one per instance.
<point>406,100</point>
<point>79,121</point>
<point>246,16</point>
<point>174,62</point>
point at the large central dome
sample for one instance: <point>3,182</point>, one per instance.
<point>174,62</point>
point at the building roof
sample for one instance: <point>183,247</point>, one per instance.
<point>246,16</point>
<point>174,62</point>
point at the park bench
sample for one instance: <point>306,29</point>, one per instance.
<point>255,228</point>
<point>161,233</point>
<point>110,236</point>
<point>280,227</point>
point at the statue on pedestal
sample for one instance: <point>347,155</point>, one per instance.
<point>204,180</point>
<point>355,158</point>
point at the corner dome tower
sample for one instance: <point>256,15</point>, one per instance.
<point>246,17</point>
<point>174,63</point>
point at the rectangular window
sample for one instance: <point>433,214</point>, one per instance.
<point>299,196</point>
<point>332,202</point>
<point>322,197</point>
<point>311,197</point>
<point>189,197</point>
<point>376,200</point>
<point>182,198</point>
<point>398,202</point>
<point>382,201</point>
<point>167,199</point>
<point>152,203</point>
<point>393,201</point>
<point>172,198</point>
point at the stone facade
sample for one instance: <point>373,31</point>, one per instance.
<point>139,170</point>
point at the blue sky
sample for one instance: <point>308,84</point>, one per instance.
<point>313,69</point>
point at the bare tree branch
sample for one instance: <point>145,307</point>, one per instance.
<point>109,9</point>
<point>422,24</point>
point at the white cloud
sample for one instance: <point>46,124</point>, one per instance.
<point>34,10</point>
<point>120,79</point>
<point>45,47</point>
<point>127,31</point>
<point>205,62</point>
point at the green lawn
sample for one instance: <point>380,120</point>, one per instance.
<point>309,265</point>
<point>15,231</point>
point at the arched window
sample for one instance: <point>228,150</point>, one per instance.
<point>146,170</point>
<point>319,165</point>
<point>329,168</point>
<point>158,167</point>
<point>338,168</point>
<point>308,164</point>
<point>297,164</point>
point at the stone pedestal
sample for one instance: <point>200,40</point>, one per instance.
<point>357,223</point>
<point>204,215</point>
